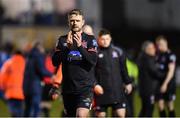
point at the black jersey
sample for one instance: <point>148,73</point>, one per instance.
<point>163,60</point>
<point>77,64</point>
<point>111,73</point>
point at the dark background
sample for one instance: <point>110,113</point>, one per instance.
<point>131,37</point>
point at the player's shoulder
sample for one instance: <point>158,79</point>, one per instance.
<point>171,56</point>
<point>88,37</point>
<point>170,53</point>
<point>62,37</point>
<point>117,49</point>
<point>61,40</point>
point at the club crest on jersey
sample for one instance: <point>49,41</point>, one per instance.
<point>114,54</point>
<point>100,55</point>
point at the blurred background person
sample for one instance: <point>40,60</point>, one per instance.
<point>5,54</point>
<point>88,30</point>
<point>16,11</point>
<point>47,83</point>
<point>35,71</point>
<point>12,74</point>
<point>62,7</point>
<point>111,75</point>
<point>43,12</point>
<point>148,78</point>
<point>166,61</point>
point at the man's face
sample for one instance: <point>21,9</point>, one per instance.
<point>162,45</point>
<point>151,50</point>
<point>76,22</point>
<point>88,30</point>
<point>104,40</point>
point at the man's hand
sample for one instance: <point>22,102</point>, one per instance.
<point>69,40</point>
<point>77,37</point>
<point>98,89</point>
<point>163,88</point>
<point>169,77</point>
<point>54,92</point>
<point>128,88</point>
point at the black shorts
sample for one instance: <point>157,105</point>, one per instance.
<point>166,96</point>
<point>115,106</point>
<point>74,101</point>
<point>169,95</point>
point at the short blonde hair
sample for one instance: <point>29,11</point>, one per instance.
<point>75,12</point>
<point>161,37</point>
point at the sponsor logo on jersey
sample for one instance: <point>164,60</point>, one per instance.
<point>114,54</point>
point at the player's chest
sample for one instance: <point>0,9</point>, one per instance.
<point>108,57</point>
<point>162,62</point>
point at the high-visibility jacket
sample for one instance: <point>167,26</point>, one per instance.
<point>12,74</point>
<point>132,69</point>
<point>49,66</point>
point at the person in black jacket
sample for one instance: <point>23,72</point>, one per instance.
<point>77,52</point>
<point>35,71</point>
<point>148,78</point>
<point>111,76</point>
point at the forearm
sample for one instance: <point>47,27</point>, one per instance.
<point>90,57</point>
<point>169,77</point>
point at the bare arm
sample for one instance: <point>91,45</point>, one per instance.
<point>170,73</point>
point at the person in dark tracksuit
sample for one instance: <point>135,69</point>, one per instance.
<point>148,78</point>
<point>77,52</point>
<point>111,74</point>
<point>166,61</point>
<point>35,71</point>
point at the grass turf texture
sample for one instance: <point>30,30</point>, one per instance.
<point>57,107</point>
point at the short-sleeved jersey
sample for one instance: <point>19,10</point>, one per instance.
<point>164,59</point>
